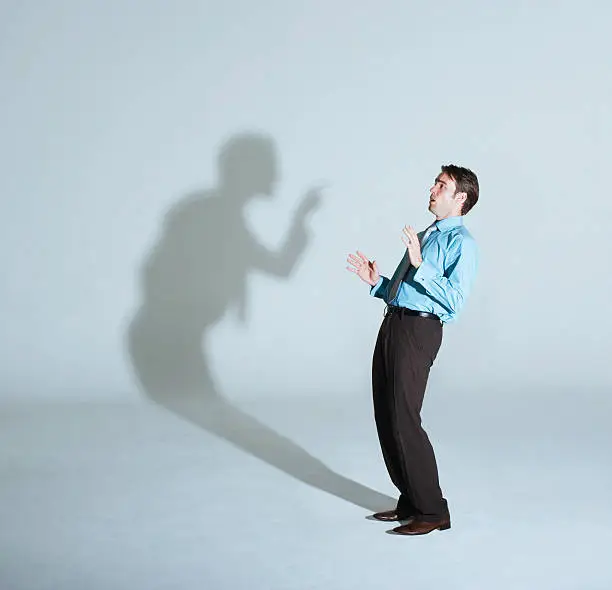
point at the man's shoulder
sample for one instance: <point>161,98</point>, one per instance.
<point>459,235</point>
<point>460,243</point>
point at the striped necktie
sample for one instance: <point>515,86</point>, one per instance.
<point>404,266</point>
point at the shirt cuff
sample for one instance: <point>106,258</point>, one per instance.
<point>377,286</point>
<point>426,273</point>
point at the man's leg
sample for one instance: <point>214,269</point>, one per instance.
<point>384,414</point>
<point>415,344</point>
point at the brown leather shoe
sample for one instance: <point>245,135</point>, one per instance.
<point>391,515</point>
<point>420,527</point>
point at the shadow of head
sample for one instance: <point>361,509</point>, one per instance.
<point>248,166</point>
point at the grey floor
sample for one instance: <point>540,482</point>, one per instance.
<point>115,496</point>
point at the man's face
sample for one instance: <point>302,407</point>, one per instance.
<point>443,202</point>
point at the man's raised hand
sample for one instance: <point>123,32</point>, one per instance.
<point>367,271</point>
<point>411,241</point>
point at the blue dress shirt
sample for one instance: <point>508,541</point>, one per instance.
<point>444,279</point>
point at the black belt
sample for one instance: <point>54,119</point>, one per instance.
<point>391,309</point>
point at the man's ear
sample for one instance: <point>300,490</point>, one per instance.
<point>461,197</point>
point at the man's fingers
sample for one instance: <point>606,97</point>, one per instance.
<point>354,261</point>
<point>362,256</point>
<point>407,233</point>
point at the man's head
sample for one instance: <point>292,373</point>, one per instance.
<point>455,192</point>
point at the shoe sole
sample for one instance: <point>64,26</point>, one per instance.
<point>392,519</point>
<point>444,527</point>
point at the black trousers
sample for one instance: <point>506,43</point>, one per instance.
<point>405,351</point>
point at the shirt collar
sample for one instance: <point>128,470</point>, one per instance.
<point>449,223</point>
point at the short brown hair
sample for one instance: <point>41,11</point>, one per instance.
<point>466,182</point>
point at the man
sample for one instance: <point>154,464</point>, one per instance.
<point>427,290</point>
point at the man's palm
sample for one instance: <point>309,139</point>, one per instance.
<point>367,271</point>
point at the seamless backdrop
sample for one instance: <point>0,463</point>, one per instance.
<point>114,115</point>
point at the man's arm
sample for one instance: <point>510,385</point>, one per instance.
<point>451,288</point>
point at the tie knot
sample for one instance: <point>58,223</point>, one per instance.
<point>429,231</point>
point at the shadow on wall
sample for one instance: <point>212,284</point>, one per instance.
<point>194,274</point>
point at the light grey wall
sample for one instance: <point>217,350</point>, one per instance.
<point>113,118</point>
